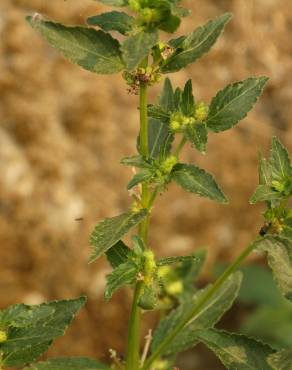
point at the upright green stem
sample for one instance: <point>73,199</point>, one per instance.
<point>200,304</point>
<point>180,146</point>
<point>133,355</point>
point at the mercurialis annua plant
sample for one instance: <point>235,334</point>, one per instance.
<point>177,118</point>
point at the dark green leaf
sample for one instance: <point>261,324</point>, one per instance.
<point>158,113</point>
<point>109,231</point>
<point>172,260</point>
<point>159,138</point>
<point>192,47</point>
<point>196,180</point>
<point>205,318</point>
<point>135,161</point>
<point>118,254</point>
<point>197,134</point>
<point>93,50</point>
<point>139,178</point>
<point>114,2</point>
<point>78,363</point>
<point>31,329</point>
<point>237,352</point>
<point>188,102</point>
<point>264,193</point>
<point>166,100</point>
<point>279,251</point>
<point>170,24</point>
<point>124,274</point>
<point>281,360</point>
<point>233,103</point>
<point>136,47</point>
<point>113,21</point>
<point>280,161</point>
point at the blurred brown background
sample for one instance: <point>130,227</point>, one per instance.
<point>64,130</point>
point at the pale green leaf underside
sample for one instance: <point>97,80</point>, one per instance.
<point>196,180</point>
<point>281,360</point>
<point>280,161</point>
<point>33,328</point>
<point>279,253</point>
<point>136,47</point>
<point>159,138</point>
<point>114,2</point>
<point>233,103</point>
<point>235,351</point>
<point>93,50</point>
<point>264,193</point>
<point>198,135</point>
<point>78,363</point>
<point>172,260</point>
<point>207,317</point>
<point>195,45</point>
<point>112,21</point>
<point>124,274</point>
<point>109,231</point>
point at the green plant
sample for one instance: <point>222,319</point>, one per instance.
<point>189,314</point>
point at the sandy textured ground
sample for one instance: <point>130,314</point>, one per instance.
<point>63,131</point>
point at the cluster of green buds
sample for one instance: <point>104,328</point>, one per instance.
<point>3,336</point>
<point>172,285</point>
<point>149,293</point>
<point>283,187</point>
<point>164,169</point>
<point>179,122</point>
<point>156,13</point>
<point>277,221</point>
<point>141,76</point>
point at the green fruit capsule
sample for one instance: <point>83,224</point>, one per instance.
<point>3,336</point>
<point>148,299</point>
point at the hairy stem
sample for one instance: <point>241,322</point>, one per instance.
<point>199,306</point>
<point>133,355</point>
<point>180,146</point>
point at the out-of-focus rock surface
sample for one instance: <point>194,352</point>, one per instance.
<point>64,130</point>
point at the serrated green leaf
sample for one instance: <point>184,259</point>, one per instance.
<point>78,363</point>
<point>264,193</point>
<point>177,98</point>
<point>158,113</point>
<point>196,180</point>
<point>279,252</point>
<point>93,50</point>
<point>205,318</point>
<point>170,23</point>
<point>192,47</point>
<point>281,360</point>
<point>188,101</point>
<point>166,99</point>
<point>31,329</point>
<point>280,162</point>
<point>140,177</point>
<point>264,171</point>
<point>235,351</point>
<point>124,274</point>
<point>197,134</point>
<point>136,161</point>
<point>160,138</point>
<point>172,260</point>
<point>233,103</point>
<point>113,21</point>
<point>136,47</point>
<point>109,231</point>
<point>118,254</point>
<point>114,2</point>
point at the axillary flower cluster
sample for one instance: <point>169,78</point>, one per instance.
<point>179,122</point>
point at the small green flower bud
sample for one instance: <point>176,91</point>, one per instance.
<point>136,207</point>
<point>168,164</point>
<point>161,365</point>
<point>148,299</point>
<point>201,111</point>
<point>149,267</point>
<point>150,15</point>
<point>163,271</point>
<point>174,288</point>
<point>3,336</point>
<point>176,121</point>
<point>279,186</point>
<point>134,5</point>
